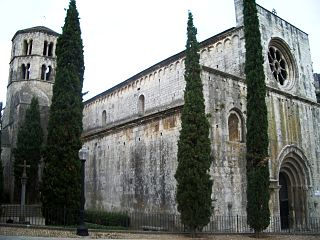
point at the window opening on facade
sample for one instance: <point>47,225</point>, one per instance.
<point>281,63</point>
<point>141,105</point>
<point>45,47</point>
<point>43,71</point>
<point>50,50</point>
<point>28,71</point>
<point>104,118</point>
<point>235,126</point>
<point>30,47</point>
<point>25,47</point>
<point>278,65</point>
<point>23,71</point>
<point>48,72</point>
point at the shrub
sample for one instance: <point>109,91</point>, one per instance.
<point>107,218</point>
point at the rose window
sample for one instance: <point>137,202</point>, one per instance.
<point>278,65</point>
<point>282,64</point>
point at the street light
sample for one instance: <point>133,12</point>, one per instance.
<point>82,229</point>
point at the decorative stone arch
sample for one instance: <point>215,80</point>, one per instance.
<point>227,42</point>
<point>235,39</point>
<point>203,51</point>
<point>177,64</point>
<point>219,47</point>
<point>235,126</point>
<point>210,48</point>
<point>294,179</point>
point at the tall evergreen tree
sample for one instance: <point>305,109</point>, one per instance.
<point>257,123</point>
<point>61,178</point>
<point>29,147</point>
<point>194,186</point>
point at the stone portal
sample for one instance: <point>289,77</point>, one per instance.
<point>294,183</point>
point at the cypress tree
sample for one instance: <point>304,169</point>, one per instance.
<point>29,148</point>
<point>61,178</point>
<point>194,186</point>
<point>257,124</point>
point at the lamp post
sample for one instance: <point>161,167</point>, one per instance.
<point>82,229</point>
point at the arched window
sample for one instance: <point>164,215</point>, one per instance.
<point>235,127</point>
<point>30,47</point>
<point>23,71</point>
<point>25,47</point>
<point>43,71</point>
<point>48,72</point>
<point>104,118</point>
<point>141,105</point>
<point>45,47</point>
<point>50,50</point>
<point>28,71</point>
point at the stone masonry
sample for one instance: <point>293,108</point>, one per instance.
<point>31,73</point>
<point>132,129</point>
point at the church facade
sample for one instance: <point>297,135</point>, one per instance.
<point>132,129</point>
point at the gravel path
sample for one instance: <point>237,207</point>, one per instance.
<point>14,233</point>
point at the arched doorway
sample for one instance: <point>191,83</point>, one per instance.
<point>294,183</point>
<point>283,200</point>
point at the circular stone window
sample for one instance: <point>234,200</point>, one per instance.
<point>281,63</point>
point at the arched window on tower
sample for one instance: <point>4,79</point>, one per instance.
<point>28,71</point>
<point>45,47</point>
<point>50,50</point>
<point>48,72</point>
<point>141,106</point>
<point>30,47</point>
<point>25,47</point>
<point>23,71</point>
<point>43,71</point>
<point>104,118</point>
<point>235,127</point>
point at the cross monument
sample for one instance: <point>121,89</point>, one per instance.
<point>23,188</point>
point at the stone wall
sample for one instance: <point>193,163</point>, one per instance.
<point>132,129</point>
<point>162,85</point>
<point>28,48</point>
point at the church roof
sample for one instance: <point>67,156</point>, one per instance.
<point>36,29</point>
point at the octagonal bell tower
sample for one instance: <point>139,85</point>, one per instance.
<point>31,73</point>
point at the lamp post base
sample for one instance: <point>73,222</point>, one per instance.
<point>82,230</point>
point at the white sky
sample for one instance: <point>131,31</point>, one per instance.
<point>123,37</point>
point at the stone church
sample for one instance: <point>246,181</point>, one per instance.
<point>132,129</point>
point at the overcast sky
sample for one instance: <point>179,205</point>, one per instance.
<point>124,37</point>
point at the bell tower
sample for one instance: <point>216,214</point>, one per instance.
<point>31,73</point>
<point>238,5</point>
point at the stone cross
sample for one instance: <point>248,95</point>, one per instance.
<point>24,182</point>
<point>23,188</point>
